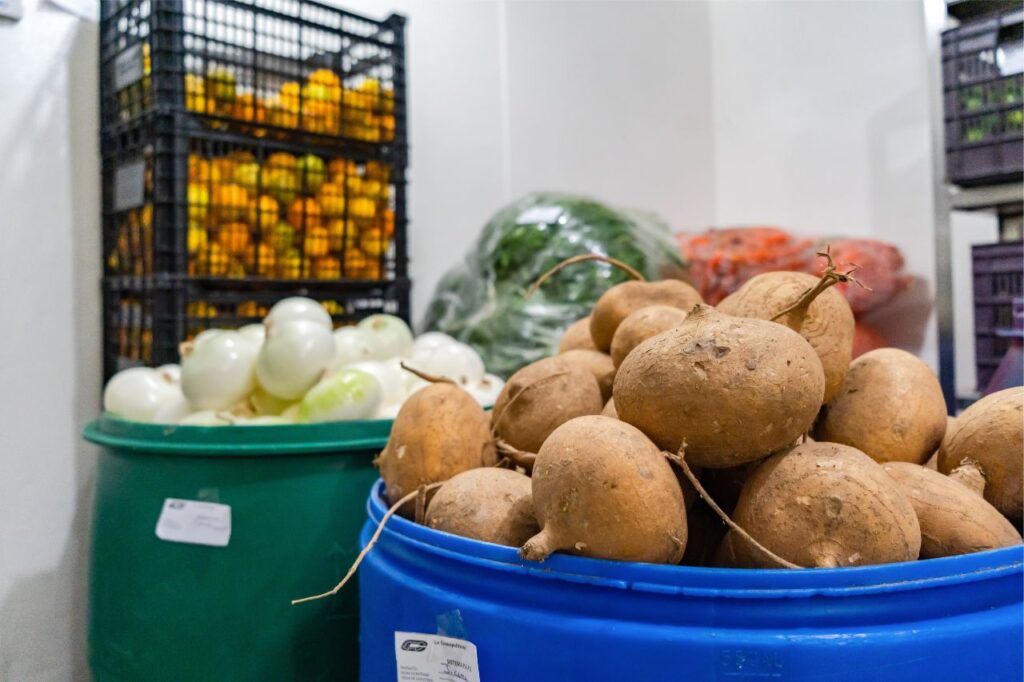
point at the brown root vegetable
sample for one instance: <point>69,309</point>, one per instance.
<point>933,461</point>
<point>488,504</point>
<point>609,409</point>
<point>597,363</point>
<point>735,389</point>
<point>641,325</point>
<point>622,299</point>
<point>577,336</point>
<point>705,532</point>
<point>826,321</point>
<point>988,440</point>
<point>602,489</point>
<point>953,519</point>
<point>440,431</point>
<point>726,555</point>
<point>825,505</point>
<point>540,397</point>
<point>725,485</point>
<point>890,407</point>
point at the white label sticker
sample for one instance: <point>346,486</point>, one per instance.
<point>128,67</point>
<point>129,185</point>
<point>197,523</point>
<point>433,658</point>
<point>539,214</point>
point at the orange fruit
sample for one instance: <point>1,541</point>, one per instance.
<point>234,238</point>
<point>263,212</point>
<point>327,268</point>
<point>316,243</point>
<point>373,242</point>
<point>230,202</point>
<point>332,200</point>
<point>304,212</point>
<point>341,233</point>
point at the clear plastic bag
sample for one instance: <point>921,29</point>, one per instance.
<point>481,301</point>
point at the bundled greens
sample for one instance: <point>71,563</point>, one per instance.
<point>481,301</point>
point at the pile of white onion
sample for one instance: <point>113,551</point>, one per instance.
<point>294,368</point>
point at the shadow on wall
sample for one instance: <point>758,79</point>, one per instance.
<point>43,618</point>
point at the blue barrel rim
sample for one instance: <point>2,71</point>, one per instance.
<point>238,441</point>
<point>700,581</point>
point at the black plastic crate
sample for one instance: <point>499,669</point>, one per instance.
<point>998,272</point>
<point>145,319</point>
<point>983,85</point>
<point>220,207</point>
<point>288,69</point>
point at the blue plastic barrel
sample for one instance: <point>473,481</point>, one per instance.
<point>571,618</point>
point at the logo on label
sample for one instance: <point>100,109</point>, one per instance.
<point>414,645</point>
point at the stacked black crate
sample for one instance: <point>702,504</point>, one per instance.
<point>251,151</point>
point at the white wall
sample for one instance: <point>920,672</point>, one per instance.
<point>49,348</point>
<point>604,98</point>
<point>822,125</point>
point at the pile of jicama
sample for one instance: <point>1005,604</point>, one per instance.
<point>295,368</point>
<point>668,431</point>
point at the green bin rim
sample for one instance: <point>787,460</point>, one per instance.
<point>238,441</point>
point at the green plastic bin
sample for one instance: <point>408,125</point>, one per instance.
<point>179,612</point>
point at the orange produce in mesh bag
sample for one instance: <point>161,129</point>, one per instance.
<point>722,260</point>
<point>342,234</point>
<point>880,269</point>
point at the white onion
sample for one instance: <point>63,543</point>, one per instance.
<point>388,411</point>
<point>345,395</point>
<point>456,361</point>
<point>266,404</point>
<point>170,373</point>
<point>203,336</point>
<point>205,418</point>
<point>296,309</point>
<point>136,394</point>
<point>392,337</point>
<point>256,333</point>
<point>414,384</point>
<point>352,344</point>
<point>295,356</point>
<point>264,420</point>
<point>173,409</point>
<point>486,390</point>
<point>430,341</point>
<point>219,372</point>
<point>392,383</point>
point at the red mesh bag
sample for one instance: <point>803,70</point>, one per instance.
<point>722,260</point>
<point>881,271</point>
